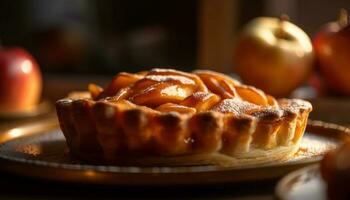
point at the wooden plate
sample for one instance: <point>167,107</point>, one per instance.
<point>39,150</point>
<point>305,183</point>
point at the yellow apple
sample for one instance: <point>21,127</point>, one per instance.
<point>273,54</point>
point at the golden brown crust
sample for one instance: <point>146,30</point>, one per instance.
<point>246,126</point>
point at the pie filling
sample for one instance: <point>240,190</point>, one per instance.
<point>168,113</point>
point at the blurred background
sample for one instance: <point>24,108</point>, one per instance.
<point>104,37</point>
<point>84,41</point>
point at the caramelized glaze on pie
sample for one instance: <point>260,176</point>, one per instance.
<point>164,116</point>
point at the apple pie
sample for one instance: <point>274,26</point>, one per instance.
<point>170,117</point>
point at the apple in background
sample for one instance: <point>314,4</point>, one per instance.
<point>332,47</point>
<point>20,80</point>
<point>274,55</point>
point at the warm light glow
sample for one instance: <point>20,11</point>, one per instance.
<point>15,132</point>
<point>267,36</point>
<point>300,35</point>
<point>174,91</point>
<point>90,173</point>
<point>26,66</point>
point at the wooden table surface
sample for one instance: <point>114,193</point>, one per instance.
<point>15,187</point>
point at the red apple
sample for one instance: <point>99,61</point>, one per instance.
<point>20,80</point>
<point>332,47</point>
<point>274,55</point>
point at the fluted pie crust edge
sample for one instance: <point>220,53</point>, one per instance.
<point>117,133</point>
